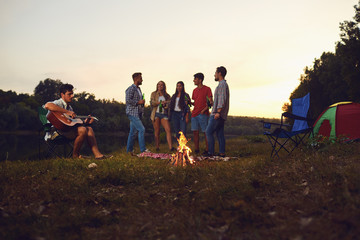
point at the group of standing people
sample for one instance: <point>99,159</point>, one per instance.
<point>176,109</point>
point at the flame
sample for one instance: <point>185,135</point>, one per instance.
<point>185,150</point>
<point>182,156</point>
<point>182,144</point>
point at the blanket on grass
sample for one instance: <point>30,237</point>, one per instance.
<point>168,156</point>
<point>155,155</point>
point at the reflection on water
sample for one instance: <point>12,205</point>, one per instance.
<point>26,146</point>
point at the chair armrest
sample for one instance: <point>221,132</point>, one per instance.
<point>290,115</point>
<point>262,121</point>
<point>268,124</point>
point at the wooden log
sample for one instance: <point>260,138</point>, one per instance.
<point>180,159</point>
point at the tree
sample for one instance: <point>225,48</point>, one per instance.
<point>27,117</point>
<point>348,49</point>
<point>335,76</point>
<point>47,90</point>
<point>9,118</point>
<point>7,98</point>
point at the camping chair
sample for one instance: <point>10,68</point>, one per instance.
<point>52,142</point>
<point>281,138</point>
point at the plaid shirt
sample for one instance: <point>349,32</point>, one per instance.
<point>221,99</point>
<point>133,95</point>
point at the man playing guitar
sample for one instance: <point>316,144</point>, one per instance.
<point>79,133</point>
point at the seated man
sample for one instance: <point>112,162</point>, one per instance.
<point>79,133</point>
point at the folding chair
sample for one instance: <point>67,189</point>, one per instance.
<point>52,142</point>
<point>281,138</point>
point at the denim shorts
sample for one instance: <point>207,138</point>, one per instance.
<point>161,116</point>
<point>200,121</point>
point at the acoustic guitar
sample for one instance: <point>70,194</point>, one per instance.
<point>64,122</point>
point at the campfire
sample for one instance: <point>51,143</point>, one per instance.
<point>182,156</point>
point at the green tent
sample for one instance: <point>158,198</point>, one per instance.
<point>339,120</point>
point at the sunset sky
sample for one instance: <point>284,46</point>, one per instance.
<point>97,45</point>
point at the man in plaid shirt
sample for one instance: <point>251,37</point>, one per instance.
<point>135,111</point>
<point>219,113</point>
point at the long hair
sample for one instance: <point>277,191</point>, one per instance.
<point>165,93</point>
<point>182,104</point>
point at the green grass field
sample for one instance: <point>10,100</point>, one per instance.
<point>313,194</point>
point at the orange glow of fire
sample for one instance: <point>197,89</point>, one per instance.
<point>185,150</point>
<point>182,144</point>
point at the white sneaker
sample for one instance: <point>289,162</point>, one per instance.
<point>147,150</point>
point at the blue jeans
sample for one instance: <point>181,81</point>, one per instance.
<point>178,122</point>
<point>136,126</point>
<point>218,127</point>
<point>199,122</point>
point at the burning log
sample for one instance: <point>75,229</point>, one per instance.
<point>181,159</point>
<point>182,156</point>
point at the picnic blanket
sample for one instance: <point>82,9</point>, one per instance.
<point>199,158</point>
<point>214,158</point>
<point>155,155</point>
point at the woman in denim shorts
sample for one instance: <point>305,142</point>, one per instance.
<point>159,114</point>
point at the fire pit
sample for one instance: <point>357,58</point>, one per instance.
<point>182,156</point>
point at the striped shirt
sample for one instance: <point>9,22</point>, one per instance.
<point>221,99</point>
<point>133,95</point>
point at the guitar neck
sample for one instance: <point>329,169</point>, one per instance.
<point>84,117</point>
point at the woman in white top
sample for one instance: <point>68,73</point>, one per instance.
<point>179,109</point>
<point>159,102</point>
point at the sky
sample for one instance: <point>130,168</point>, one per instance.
<point>97,45</point>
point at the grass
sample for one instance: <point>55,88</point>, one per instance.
<point>313,194</point>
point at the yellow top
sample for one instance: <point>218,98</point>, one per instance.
<point>339,103</point>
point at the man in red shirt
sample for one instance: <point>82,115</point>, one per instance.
<point>202,97</point>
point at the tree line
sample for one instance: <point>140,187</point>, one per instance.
<point>19,112</point>
<point>334,77</point>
